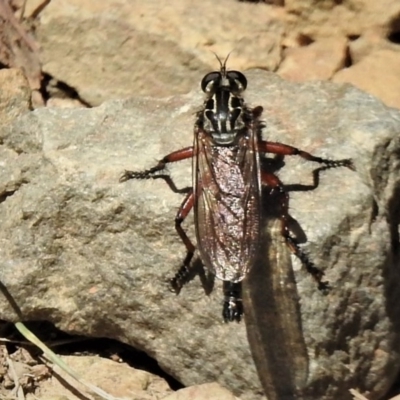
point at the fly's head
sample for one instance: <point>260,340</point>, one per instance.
<point>224,114</point>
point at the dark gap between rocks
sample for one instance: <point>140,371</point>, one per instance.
<point>304,40</point>
<point>394,221</point>
<point>348,61</point>
<point>280,3</point>
<point>395,389</point>
<point>65,344</point>
<point>4,196</point>
<point>394,37</point>
<point>374,211</point>
<point>394,30</point>
<point>352,38</point>
<point>52,88</point>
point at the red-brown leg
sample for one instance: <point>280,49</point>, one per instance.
<point>286,150</point>
<point>178,155</point>
<point>181,276</point>
<point>272,181</point>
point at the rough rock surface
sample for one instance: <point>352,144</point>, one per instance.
<point>14,95</point>
<point>378,74</point>
<point>116,379</point>
<point>117,48</point>
<point>93,255</point>
<point>151,48</point>
<point>318,61</point>
<point>369,42</point>
<point>318,19</point>
<point>207,391</point>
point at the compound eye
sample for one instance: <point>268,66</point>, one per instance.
<point>237,80</point>
<point>210,81</point>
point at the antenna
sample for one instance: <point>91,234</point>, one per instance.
<point>223,66</point>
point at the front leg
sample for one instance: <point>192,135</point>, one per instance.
<point>178,155</point>
<point>286,150</point>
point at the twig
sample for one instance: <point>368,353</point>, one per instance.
<point>357,395</point>
<point>23,7</point>
<point>50,355</point>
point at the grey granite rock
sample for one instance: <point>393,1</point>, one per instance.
<point>93,255</point>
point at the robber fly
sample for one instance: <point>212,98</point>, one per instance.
<point>227,183</point>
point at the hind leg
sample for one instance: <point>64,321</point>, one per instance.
<point>273,182</point>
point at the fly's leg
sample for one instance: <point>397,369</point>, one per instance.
<point>179,279</point>
<point>286,150</point>
<point>233,306</point>
<point>275,184</point>
<point>183,273</point>
<point>178,155</point>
